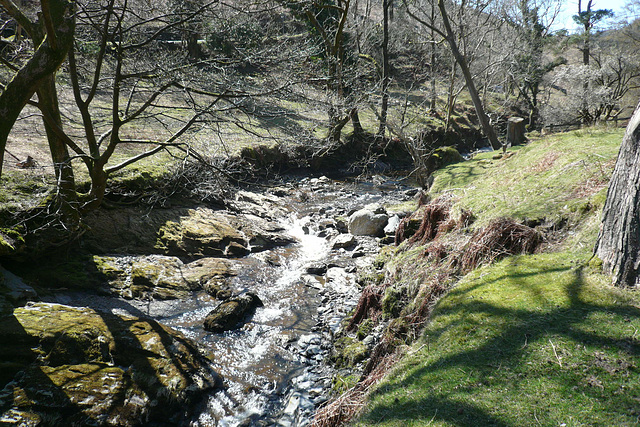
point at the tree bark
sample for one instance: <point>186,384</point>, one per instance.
<point>44,62</point>
<point>618,244</point>
<point>468,78</point>
<point>385,69</point>
<point>65,179</point>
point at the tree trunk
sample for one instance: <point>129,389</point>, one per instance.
<point>618,244</point>
<point>468,78</point>
<point>385,69</point>
<point>48,100</point>
<point>336,124</point>
<point>358,131</point>
<point>45,61</point>
<point>65,179</point>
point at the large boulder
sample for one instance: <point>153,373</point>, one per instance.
<point>159,276</point>
<point>201,234</point>
<point>367,223</point>
<point>65,365</point>
<point>181,232</point>
<point>231,313</point>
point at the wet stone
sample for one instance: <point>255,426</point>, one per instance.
<point>343,241</point>
<point>229,314</point>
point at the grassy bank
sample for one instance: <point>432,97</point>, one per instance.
<point>539,339</point>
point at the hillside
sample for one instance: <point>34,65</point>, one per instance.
<point>530,339</point>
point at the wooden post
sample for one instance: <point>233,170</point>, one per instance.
<point>515,131</point>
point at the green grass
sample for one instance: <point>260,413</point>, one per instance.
<point>549,179</point>
<point>531,340</point>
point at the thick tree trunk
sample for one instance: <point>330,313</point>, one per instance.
<point>48,99</point>
<point>618,244</point>
<point>65,180</point>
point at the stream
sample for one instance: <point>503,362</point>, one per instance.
<point>273,366</point>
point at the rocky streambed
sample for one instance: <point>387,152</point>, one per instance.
<point>279,266</point>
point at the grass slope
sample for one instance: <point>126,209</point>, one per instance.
<point>533,339</point>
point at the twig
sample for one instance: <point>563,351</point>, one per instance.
<point>555,353</point>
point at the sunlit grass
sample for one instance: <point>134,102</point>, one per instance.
<point>537,339</point>
<point>531,340</point>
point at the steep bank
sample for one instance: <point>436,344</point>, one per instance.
<point>538,339</point>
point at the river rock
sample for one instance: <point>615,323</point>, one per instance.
<point>200,234</point>
<point>343,241</point>
<point>13,289</point>
<point>267,206</point>
<point>262,234</point>
<point>158,276</point>
<point>367,223</point>
<point>206,269</point>
<point>183,232</point>
<point>317,268</point>
<point>392,225</point>
<point>229,314</point>
<point>75,366</point>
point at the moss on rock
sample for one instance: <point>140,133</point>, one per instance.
<point>83,367</point>
<point>348,351</point>
<point>201,234</point>
<point>11,242</point>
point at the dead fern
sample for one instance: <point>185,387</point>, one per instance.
<point>502,237</point>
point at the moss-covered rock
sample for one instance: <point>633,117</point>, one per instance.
<point>11,242</point>
<point>442,157</point>
<point>199,234</point>
<point>82,367</point>
<point>232,312</point>
<point>348,351</point>
<point>159,276</point>
<point>393,301</point>
<point>182,232</point>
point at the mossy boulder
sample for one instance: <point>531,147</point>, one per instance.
<point>159,276</point>
<point>11,242</point>
<point>182,232</point>
<point>75,366</point>
<point>348,351</point>
<point>201,234</point>
<point>442,157</point>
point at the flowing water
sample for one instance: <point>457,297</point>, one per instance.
<point>278,351</point>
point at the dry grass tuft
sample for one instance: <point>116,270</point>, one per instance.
<point>502,237</point>
<point>369,305</point>
<point>436,214</point>
<point>435,251</point>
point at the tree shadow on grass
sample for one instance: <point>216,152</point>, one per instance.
<point>583,366</point>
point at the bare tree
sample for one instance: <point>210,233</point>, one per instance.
<point>446,31</point>
<point>529,22</point>
<point>52,38</point>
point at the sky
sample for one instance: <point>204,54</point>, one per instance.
<point>570,8</point>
